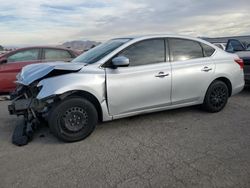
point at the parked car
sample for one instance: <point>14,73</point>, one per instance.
<point>237,47</point>
<point>11,63</point>
<point>248,47</point>
<point>125,77</point>
<point>220,45</point>
<point>3,52</point>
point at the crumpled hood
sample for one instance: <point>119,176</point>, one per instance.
<point>33,72</point>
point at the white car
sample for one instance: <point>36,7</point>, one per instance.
<point>125,77</point>
<point>221,45</point>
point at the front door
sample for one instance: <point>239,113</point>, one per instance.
<point>145,84</point>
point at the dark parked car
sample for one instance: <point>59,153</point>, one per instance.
<point>235,46</point>
<point>11,63</point>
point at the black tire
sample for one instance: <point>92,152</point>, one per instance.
<point>73,119</point>
<point>216,97</point>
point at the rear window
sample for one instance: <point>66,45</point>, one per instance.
<point>208,50</point>
<point>55,54</point>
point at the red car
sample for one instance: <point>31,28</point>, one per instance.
<point>11,63</point>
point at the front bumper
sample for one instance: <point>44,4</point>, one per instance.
<point>20,106</point>
<point>24,99</point>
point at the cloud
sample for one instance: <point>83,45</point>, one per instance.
<point>52,22</point>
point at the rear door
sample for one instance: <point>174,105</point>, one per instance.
<point>51,55</point>
<point>145,84</point>
<point>15,62</point>
<point>191,71</point>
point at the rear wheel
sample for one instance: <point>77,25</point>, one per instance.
<point>73,119</point>
<point>216,97</point>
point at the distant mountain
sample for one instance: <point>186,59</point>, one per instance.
<point>80,45</point>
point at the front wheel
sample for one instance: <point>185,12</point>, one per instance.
<point>73,119</point>
<point>216,97</point>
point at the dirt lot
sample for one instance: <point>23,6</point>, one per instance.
<point>179,148</point>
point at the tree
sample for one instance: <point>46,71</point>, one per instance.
<point>1,48</point>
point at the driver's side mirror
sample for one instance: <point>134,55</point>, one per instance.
<point>120,61</point>
<point>4,60</point>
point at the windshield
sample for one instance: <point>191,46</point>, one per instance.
<point>100,51</point>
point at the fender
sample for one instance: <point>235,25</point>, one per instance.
<point>92,83</point>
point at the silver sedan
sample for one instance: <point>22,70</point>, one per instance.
<point>125,77</point>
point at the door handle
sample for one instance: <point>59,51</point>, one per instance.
<point>161,75</point>
<point>206,69</point>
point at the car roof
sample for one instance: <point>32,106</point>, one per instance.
<point>152,36</point>
<point>53,47</point>
<point>34,47</point>
<point>157,36</point>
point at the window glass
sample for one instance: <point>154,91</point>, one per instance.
<point>248,47</point>
<point>182,49</point>
<point>234,45</point>
<point>100,51</point>
<point>26,55</point>
<point>53,54</point>
<point>145,52</point>
<point>218,45</point>
<point>208,50</point>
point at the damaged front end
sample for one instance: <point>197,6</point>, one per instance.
<point>33,110</point>
<point>25,102</point>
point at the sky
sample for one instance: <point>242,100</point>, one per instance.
<point>40,22</point>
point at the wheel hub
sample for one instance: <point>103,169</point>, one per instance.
<point>75,119</point>
<point>218,97</point>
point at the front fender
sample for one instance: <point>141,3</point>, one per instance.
<point>92,83</point>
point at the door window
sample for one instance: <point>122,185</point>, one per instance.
<point>54,54</point>
<point>208,50</point>
<point>145,52</point>
<point>25,55</point>
<point>182,49</point>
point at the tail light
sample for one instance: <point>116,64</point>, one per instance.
<point>240,62</point>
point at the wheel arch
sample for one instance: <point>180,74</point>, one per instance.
<point>226,81</point>
<point>87,95</point>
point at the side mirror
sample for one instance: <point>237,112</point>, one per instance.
<point>120,61</point>
<point>4,60</point>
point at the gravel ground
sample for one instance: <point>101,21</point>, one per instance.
<point>179,148</point>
